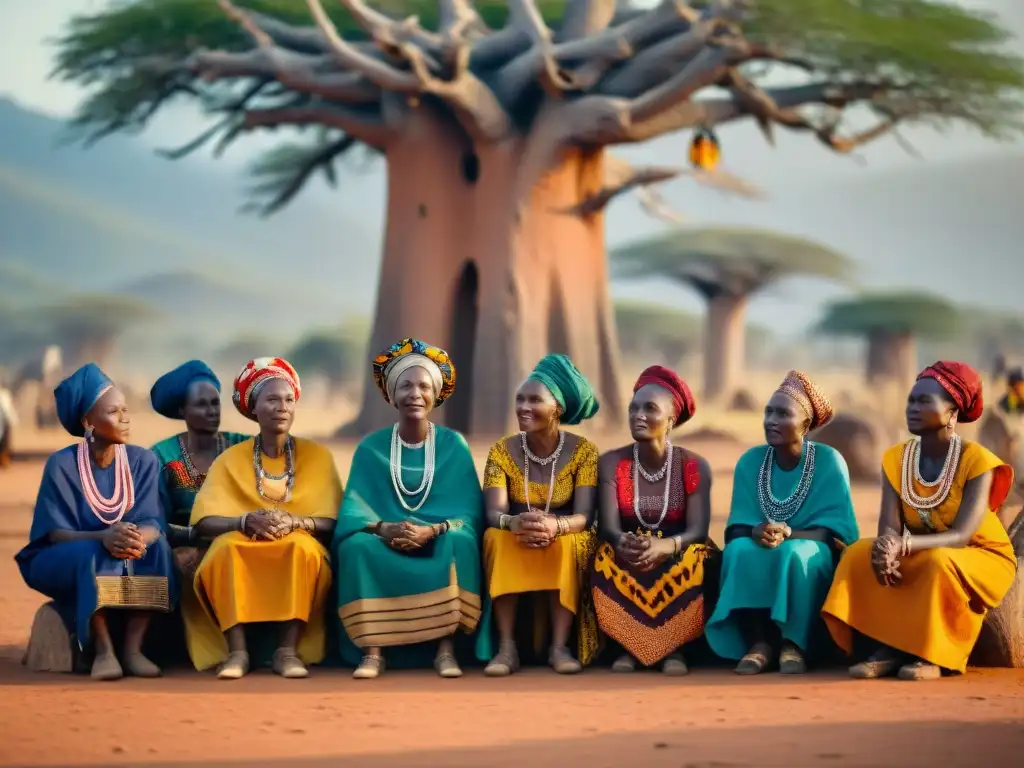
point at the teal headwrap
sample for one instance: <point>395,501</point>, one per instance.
<point>569,387</point>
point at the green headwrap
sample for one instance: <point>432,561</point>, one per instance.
<point>569,387</point>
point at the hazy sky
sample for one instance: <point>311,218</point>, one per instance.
<point>797,165</point>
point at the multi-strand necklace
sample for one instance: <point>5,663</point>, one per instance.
<point>196,477</point>
<point>108,511</point>
<point>780,510</point>
<point>426,482</point>
<point>665,473</point>
<point>261,474</point>
<point>530,456</point>
<point>911,471</point>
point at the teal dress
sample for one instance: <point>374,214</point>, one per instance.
<point>403,602</point>
<point>792,580</point>
<point>179,486</point>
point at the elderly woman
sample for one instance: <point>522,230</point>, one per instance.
<point>191,393</point>
<point>540,488</point>
<point>408,539</point>
<point>97,544</point>
<point>269,504</point>
<point>655,510</point>
<point>919,592</point>
<point>791,511</point>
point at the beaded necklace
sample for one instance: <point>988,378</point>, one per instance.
<point>911,471</point>
<point>262,474</point>
<point>529,456</point>
<point>426,482</point>
<point>656,477</point>
<point>780,510</point>
<point>196,477</point>
<point>108,511</point>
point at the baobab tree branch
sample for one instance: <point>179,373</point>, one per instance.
<point>621,177</point>
<point>524,15</point>
<point>390,33</point>
<point>586,17</point>
<point>365,125</point>
<point>459,18</point>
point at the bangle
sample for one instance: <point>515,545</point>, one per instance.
<point>677,545</point>
<point>563,526</point>
<point>504,522</point>
<point>189,534</point>
<point>241,522</point>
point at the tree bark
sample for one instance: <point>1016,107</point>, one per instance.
<point>460,215</point>
<point>892,358</point>
<point>724,351</point>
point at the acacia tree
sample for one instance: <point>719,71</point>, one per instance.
<point>726,265</point>
<point>891,323</point>
<point>494,124</point>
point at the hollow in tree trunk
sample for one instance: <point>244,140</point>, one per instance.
<point>472,237</point>
<point>724,345</point>
<point>892,358</point>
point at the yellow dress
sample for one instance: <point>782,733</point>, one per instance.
<point>935,613</point>
<point>240,581</point>
<point>561,567</point>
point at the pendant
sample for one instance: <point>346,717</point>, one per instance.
<point>660,534</point>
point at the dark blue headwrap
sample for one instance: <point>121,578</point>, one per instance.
<point>170,392</point>
<point>77,394</point>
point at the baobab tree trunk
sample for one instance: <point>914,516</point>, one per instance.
<point>892,358</point>
<point>493,267</point>
<point>724,345</point>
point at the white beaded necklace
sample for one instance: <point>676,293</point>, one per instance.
<point>426,482</point>
<point>108,511</point>
<point>529,456</point>
<point>777,510</point>
<point>665,472</point>
<point>911,471</point>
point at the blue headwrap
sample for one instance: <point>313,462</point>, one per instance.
<point>170,391</point>
<point>569,387</point>
<point>77,394</point>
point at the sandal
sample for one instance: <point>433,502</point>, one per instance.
<point>562,661</point>
<point>624,664</point>
<point>882,663</point>
<point>756,660</point>
<point>791,660</point>
<point>674,665</point>
<point>369,668</point>
<point>139,666</point>
<point>919,670</point>
<point>447,666</point>
<point>288,665</point>
<point>504,663</point>
<point>235,667</point>
<point>106,667</point>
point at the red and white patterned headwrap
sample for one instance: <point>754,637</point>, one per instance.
<point>256,372</point>
<point>809,397</point>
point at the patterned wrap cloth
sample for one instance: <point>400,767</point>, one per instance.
<point>682,396</point>
<point>256,373</point>
<point>962,383</point>
<point>809,397</point>
<point>390,364</point>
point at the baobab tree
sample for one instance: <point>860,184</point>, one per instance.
<point>891,323</point>
<point>494,119</point>
<point>726,265</point>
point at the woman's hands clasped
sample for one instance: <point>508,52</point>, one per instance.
<point>534,529</point>
<point>644,553</point>
<point>886,554</point>
<point>125,541</point>
<point>770,535</point>
<point>406,536</point>
<point>268,525</point>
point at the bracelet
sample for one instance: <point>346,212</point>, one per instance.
<point>906,542</point>
<point>189,534</point>
<point>676,545</point>
<point>504,522</point>
<point>241,522</point>
<point>562,524</point>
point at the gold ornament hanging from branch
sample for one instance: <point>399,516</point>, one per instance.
<point>704,150</point>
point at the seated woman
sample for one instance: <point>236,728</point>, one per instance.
<point>540,489</point>
<point>919,592</point>
<point>791,509</point>
<point>269,504</point>
<point>408,539</point>
<point>97,545</point>
<point>655,510</point>
<point>191,392</point>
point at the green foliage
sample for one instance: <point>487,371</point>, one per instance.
<point>903,312</point>
<point>652,330</point>
<point>728,260</point>
<point>337,354</point>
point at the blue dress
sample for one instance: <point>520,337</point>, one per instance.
<point>790,581</point>
<point>81,577</point>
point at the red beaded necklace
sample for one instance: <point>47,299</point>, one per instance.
<point>108,511</point>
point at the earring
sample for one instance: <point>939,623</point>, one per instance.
<point>88,435</point>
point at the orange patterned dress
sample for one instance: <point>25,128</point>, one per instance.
<point>653,614</point>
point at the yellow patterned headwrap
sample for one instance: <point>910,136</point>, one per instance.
<point>386,368</point>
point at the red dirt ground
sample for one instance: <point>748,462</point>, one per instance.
<point>711,719</point>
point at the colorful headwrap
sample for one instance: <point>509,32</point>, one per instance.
<point>390,364</point>
<point>809,397</point>
<point>77,394</point>
<point>256,373</point>
<point>669,380</point>
<point>170,391</point>
<point>568,386</point>
<point>962,383</point>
